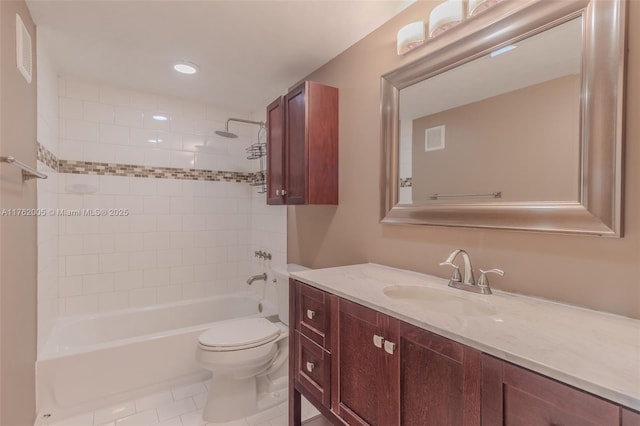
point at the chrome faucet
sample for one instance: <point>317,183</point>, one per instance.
<point>468,270</point>
<point>467,281</point>
<point>262,276</point>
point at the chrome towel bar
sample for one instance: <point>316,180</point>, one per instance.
<point>497,194</point>
<point>27,172</point>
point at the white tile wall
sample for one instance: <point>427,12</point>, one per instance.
<point>182,239</point>
<point>47,134</point>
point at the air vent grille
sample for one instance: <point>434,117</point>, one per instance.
<point>434,138</point>
<point>24,50</point>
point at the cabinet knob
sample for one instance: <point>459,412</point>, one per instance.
<point>378,341</point>
<point>277,192</point>
<point>283,192</point>
<point>311,314</point>
<point>310,366</point>
<point>389,347</point>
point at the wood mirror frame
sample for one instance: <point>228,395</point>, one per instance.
<point>598,210</point>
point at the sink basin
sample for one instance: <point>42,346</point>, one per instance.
<point>440,301</point>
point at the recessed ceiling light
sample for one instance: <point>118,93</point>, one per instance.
<point>160,117</point>
<point>186,68</point>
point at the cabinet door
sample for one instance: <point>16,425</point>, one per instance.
<point>275,152</point>
<point>630,418</point>
<point>296,145</point>
<point>367,389</point>
<point>515,396</point>
<point>439,380</point>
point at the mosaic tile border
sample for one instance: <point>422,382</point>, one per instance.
<point>47,157</point>
<point>406,182</point>
<point>131,170</point>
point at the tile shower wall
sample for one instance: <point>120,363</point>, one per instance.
<point>181,239</point>
<point>47,135</point>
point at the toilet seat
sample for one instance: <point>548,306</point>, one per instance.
<point>239,334</point>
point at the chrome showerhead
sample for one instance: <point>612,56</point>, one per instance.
<point>226,134</point>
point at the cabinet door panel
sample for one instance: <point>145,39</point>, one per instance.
<point>296,145</point>
<point>630,418</point>
<point>312,318</point>
<point>360,364</point>
<point>313,369</point>
<point>439,380</point>
<point>275,151</point>
<point>512,395</point>
<point>323,144</point>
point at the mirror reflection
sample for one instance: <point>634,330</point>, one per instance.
<point>503,127</point>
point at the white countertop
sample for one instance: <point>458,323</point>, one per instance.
<point>594,351</point>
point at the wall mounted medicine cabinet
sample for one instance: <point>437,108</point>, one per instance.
<point>302,146</point>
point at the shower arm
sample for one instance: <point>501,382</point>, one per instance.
<point>242,120</point>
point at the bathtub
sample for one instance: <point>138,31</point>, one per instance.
<point>102,359</point>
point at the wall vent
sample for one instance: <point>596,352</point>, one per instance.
<point>434,138</point>
<point>24,50</point>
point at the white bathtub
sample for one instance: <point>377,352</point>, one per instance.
<point>102,359</point>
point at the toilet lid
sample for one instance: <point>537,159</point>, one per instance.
<point>244,333</point>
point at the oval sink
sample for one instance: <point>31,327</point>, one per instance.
<point>439,301</point>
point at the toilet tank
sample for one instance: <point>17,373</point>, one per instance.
<point>281,275</point>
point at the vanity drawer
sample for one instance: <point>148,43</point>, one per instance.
<point>313,369</point>
<point>313,314</point>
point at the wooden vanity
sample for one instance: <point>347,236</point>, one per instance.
<point>361,366</point>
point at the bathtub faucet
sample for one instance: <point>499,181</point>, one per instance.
<point>253,278</point>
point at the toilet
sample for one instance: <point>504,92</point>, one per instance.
<point>248,357</point>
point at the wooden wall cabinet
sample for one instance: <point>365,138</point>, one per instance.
<point>302,146</point>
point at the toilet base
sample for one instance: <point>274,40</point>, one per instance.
<point>230,398</point>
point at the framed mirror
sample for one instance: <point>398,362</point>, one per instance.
<point>511,120</point>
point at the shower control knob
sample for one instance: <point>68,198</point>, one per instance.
<point>310,366</point>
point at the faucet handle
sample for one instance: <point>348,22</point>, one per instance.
<point>483,281</point>
<point>456,271</point>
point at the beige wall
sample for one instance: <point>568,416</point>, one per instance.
<point>518,143</point>
<point>17,234</point>
<point>595,272</point>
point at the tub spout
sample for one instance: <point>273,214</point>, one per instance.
<point>253,278</point>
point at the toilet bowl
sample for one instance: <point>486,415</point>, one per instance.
<point>247,357</point>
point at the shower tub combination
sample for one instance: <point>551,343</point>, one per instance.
<point>102,359</point>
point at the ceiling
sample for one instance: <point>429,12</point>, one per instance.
<point>248,52</point>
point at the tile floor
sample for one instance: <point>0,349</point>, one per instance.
<point>181,406</point>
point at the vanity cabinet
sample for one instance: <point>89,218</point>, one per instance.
<point>382,371</point>
<point>512,395</point>
<point>363,367</point>
<point>302,146</point>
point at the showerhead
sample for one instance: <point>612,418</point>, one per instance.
<point>226,134</point>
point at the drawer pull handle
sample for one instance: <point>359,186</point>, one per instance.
<point>310,314</point>
<point>310,366</point>
<point>389,347</point>
<point>378,341</point>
